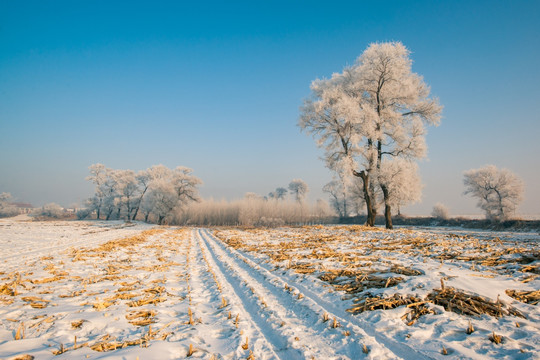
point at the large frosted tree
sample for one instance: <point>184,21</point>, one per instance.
<point>499,191</point>
<point>372,112</point>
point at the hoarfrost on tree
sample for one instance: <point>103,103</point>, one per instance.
<point>298,189</point>
<point>375,110</point>
<point>440,211</point>
<point>499,191</point>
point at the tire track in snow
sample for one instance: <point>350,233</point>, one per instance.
<point>317,304</point>
<point>303,324</point>
<point>204,300</point>
<point>271,340</point>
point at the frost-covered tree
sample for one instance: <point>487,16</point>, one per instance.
<point>147,178</point>
<point>440,211</point>
<point>98,175</point>
<point>499,191</point>
<point>6,208</point>
<point>402,183</point>
<point>171,190</point>
<point>158,190</point>
<point>280,193</point>
<point>4,197</point>
<point>162,199</point>
<point>109,196</point>
<point>52,210</point>
<point>298,189</point>
<point>339,197</point>
<point>322,209</point>
<point>128,193</point>
<point>185,185</point>
<point>143,177</point>
<point>375,110</point>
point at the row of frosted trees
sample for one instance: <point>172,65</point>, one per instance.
<point>498,193</point>
<point>155,194</point>
<point>164,195</point>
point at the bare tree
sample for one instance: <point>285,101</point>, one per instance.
<point>499,191</point>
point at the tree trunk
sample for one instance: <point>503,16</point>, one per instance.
<point>139,204</point>
<point>371,211</point>
<point>135,214</point>
<point>146,217</point>
<point>388,216</point>
<point>387,207</point>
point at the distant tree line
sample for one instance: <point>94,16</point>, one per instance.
<point>155,194</point>
<point>162,195</point>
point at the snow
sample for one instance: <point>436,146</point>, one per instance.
<point>135,285</point>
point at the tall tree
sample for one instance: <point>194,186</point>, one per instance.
<point>143,179</point>
<point>499,191</point>
<point>128,190</point>
<point>375,109</point>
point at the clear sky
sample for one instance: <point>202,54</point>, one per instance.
<point>216,86</point>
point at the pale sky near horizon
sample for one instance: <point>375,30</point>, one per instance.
<point>217,87</point>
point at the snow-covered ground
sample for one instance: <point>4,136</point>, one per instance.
<point>118,291</point>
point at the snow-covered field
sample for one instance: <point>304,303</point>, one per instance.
<point>117,291</point>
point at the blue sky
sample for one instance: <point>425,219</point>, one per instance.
<point>217,86</point>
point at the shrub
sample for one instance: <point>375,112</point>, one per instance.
<point>51,210</point>
<point>83,214</point>
<point>440,211</point>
